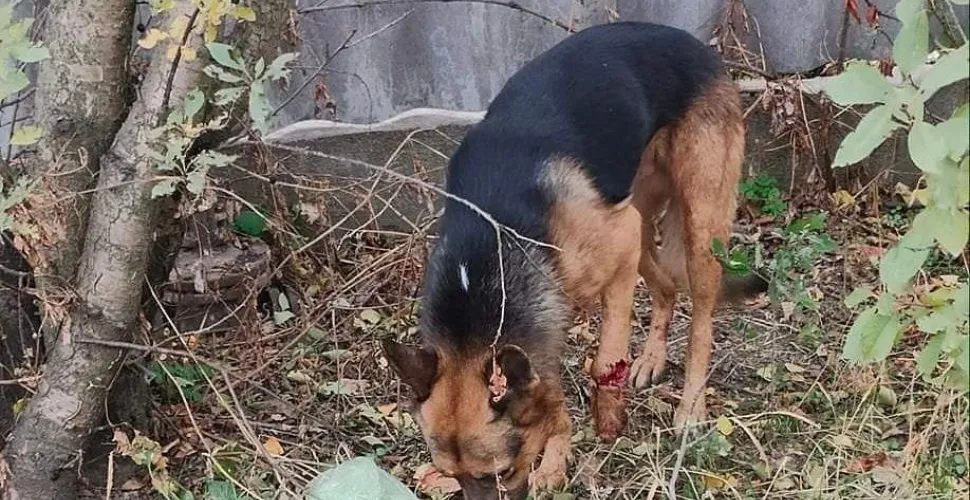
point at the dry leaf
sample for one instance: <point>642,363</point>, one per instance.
<point>866,463</point>
<point>133,484</point>
<point>387,409</point>
<point>432,481</point>
<point>273,447</point>
<point>715,482</point>
<point>122,443</point>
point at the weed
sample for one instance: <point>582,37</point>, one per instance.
<point>763,191</point>
<point>189,378</point>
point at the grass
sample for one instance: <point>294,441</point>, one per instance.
<point>281,401</point>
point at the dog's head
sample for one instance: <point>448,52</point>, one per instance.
<point>484,418</point>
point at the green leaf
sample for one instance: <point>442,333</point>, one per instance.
<point>30,53</point>
<point>259,108</point>
<point>904,260</point>
<point>222,54</point>
<point>220,490</point>
<point>195,181</point>
<point>221,74</point>
<point>871,131</point>
<point>956,132</point>
<point>871,337</point>
<point>949,226</point>
<point>912,43</point>
<point>926,363</point>
<point>952,67</point>
<point>249,223</point>
<point>26,135</point>
<point>858,296</point>
<point>164,187</point>
<point>260,66</point>
<point>193,103</point>
<point>926,147</point>
<point>228,95</point>
<point>277,69</point>
<point>210,158</point>
<point>860,83</point>
<point>11,82</point>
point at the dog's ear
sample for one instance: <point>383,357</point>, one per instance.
<point>510,374</point>
<point>415,365</point>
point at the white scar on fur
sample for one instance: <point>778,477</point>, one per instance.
<point>463,274</point>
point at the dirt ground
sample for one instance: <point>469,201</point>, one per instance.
<point>788,417</point>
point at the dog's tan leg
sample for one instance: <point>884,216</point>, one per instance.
<point>708,151</point>
<point>610,370</point>
<point>652,197</point>
<point>551,473</point>
<point>663,292</point>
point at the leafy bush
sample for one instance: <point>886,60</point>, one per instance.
<point>940,151</point>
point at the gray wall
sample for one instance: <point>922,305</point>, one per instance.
<point>457,55</point>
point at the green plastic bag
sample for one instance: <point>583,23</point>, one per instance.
<point>358,479</point>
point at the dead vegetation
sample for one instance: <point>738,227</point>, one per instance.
<point>260,400</point>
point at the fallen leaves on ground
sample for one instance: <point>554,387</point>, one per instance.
<point>431,481</point>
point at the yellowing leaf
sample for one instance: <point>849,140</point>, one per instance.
<point>172,51</point>
<point>151,38</point>
<point>273,447</point>
<point>244,13</point>
<point>189,54</point>
<point>211,31</point>
<point>724,425</point>
<point>26,135</point>
<point>843,198</point>
<point>177,29</point>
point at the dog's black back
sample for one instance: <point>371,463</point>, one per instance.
<point>598,97</point>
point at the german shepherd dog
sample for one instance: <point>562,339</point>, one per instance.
<point>613,155</point>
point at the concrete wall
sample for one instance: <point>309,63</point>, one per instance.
<point>456,55</point>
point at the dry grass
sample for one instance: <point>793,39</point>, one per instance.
<point>278,404</point>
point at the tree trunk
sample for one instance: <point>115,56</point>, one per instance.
<point>80,101</point>
<point>43,451</point>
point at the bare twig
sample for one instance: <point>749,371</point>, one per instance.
<point>347,44</point>
<point>426,185</point>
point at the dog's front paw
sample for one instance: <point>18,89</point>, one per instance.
<point>548,477</point>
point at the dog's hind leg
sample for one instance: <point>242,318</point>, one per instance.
<point>708,148</point>
<point>657,209</point>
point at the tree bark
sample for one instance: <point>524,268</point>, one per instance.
<point>42,454</point>
<point>80,101</point>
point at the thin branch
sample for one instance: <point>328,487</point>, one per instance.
<point>347,43</point>
<point>370,166</point>
<point>21,98</point>
<point>501,3</point>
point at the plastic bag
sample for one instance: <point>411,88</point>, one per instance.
<point>358,479</point>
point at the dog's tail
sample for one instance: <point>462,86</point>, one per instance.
<point>737,288</point>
